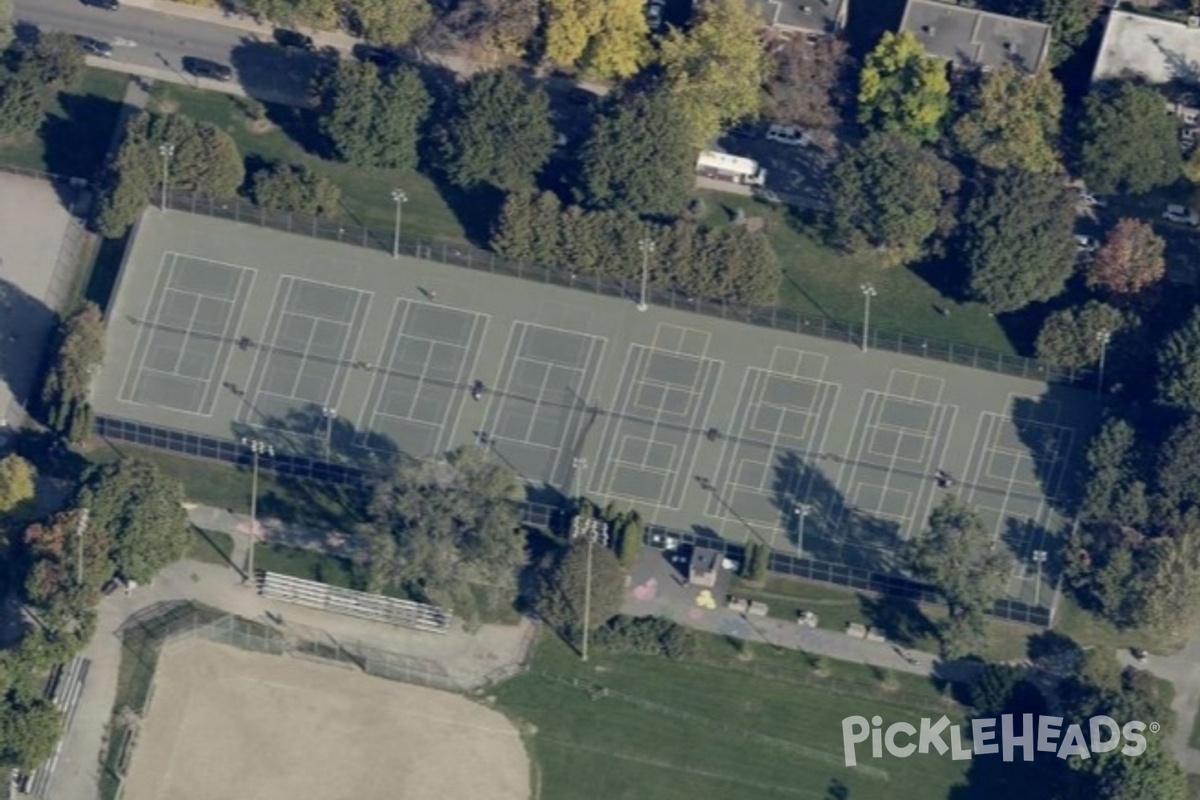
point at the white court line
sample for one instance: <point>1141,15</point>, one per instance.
<point>620,402</point>
<point>235,323</point>
<point>338,286</point>
<point>278,304</point>
<point>893,377</point>
<point>947,415</point>
<point>742,411</point>
<point>366,417</point>
<point>1010,406</point>
<point>587,383</point>
<point>163,279</point>
<point>929,426</point>
<point>714,368</point>
<point>345,364</point>
<point>468,364</point>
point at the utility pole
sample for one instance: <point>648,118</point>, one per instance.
<point>400,198</point>
<point>80,528</point>
<point>330,414</point>
<point>1103,336</point>
<point>578,465</point>
<point>868,291</point>
<point>594,530</point>
<point>647,247</point>
<point>257,448</point>
<point>800,511</point>
<point>166,150</point>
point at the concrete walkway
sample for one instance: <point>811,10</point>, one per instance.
<point>1183,671</point>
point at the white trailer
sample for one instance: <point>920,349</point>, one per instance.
<point>725,167</point>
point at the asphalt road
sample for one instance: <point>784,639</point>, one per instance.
<point>149,39</point>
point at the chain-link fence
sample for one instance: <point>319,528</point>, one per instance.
<point>464,255</point>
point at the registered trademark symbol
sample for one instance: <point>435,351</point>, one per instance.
<point>1155,727</point>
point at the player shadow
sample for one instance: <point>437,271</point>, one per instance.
<point>835,532</point>
<point>27,342</point>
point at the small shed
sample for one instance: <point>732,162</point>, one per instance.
<point>702,567</point>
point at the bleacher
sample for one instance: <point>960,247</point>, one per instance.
<point>63,688</point>
<point>351,603</point>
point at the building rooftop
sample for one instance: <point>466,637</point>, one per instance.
<point>704,560</point>
<point>810,16</point>
<point>1156,50</point>
<point>968,37</point>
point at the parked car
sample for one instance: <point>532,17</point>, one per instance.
<point>1181,215</point>
<point>107,5</point>
<point>1086,244</point>
<point>379,56</point>
<point>94,46</point>
<point>293,40</point>
<point>203,68</point>
<point>654,15</point>
<point>788,134</point>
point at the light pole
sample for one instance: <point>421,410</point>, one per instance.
<point>800,511</point>
<point>166,150</point>
<point>647,247</point>
<point>257,448</point>
<point>80,527</point>
<point>330,414</point>
<point>594,530</point>
<point>578,465</point>
<point>868,291</point>
<point>1039,558</point>
<point>1103,336</point>
<point>401,198</point>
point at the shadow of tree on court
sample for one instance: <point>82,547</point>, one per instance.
<point>834,530</point>
<point>306,431</point>
<point>26,344</point>
<point>1056,428</point>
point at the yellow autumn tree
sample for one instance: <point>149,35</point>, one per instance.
<point>716,69</point>
<point>903,90</point>
<point>570,26</point>
<point>620,48</point>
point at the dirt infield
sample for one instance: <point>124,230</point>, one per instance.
<point>228,723</point>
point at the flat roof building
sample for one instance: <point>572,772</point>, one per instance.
<point>1150,48</point>
<point>969,38</point>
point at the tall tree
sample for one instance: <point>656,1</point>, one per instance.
<point>1177,475</point>
<point>639,156</point>
<point>809,82</point>
<point>888,192</point>
<point>1071,337</point>
<point>1012,120</point>
<point>1127,143</point>
<point>559,598</point>
<point>1179,367</point>
<point>387,21</point>
<point>493,29</point>
<point>374,121</point>
<point>620,47</point>
<point>295,187</point>
<point>64,396</point>
<point>1068,19</point>
<point>141,510</point>
<point>967,566</point>
<point>454,525</point>
<point>17,478</point>
<point>1116,490</point>
<point>715,69</point>
<point>570,25</point>
<point>1017,242</point>
<point>903,90</point>
<point>501,133</point>
<point>1132,258</point>
<point>29,730</point>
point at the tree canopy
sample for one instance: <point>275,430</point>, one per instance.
<point>809,82</point>
<point>448,525</point>
<point>1116,490</point>
<point>559,598</point>
<point>493,28</point>
<point>903,90</point>
<point>715,69</point>
<point>374,121</point>
<point>385,21</point>
<point>1069,21</point>
<point>204,159</point>
<point>1132,258</point>
<point>1071,337</point>
<point>501,133</point>
<point>1179,366</point>
<point>1127,143</point>
<point>888,192</point>
<point>1017,239</point>
<point>966,565</point>
<point>295,187</point>
<point>639,156</point>
<point>141,510</point>
<point>17,477</point>
<point>64,396</point>
<point>35,70</point>
<point>1013,120</point>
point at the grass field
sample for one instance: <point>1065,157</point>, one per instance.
<point>366,193</point>
<point>211,547</point>
<point>729,723</point>
<point>74,136</point>
<point>306,564</point>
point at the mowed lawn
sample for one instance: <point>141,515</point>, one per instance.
<point>749,723</point>
<point>366,193</point>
